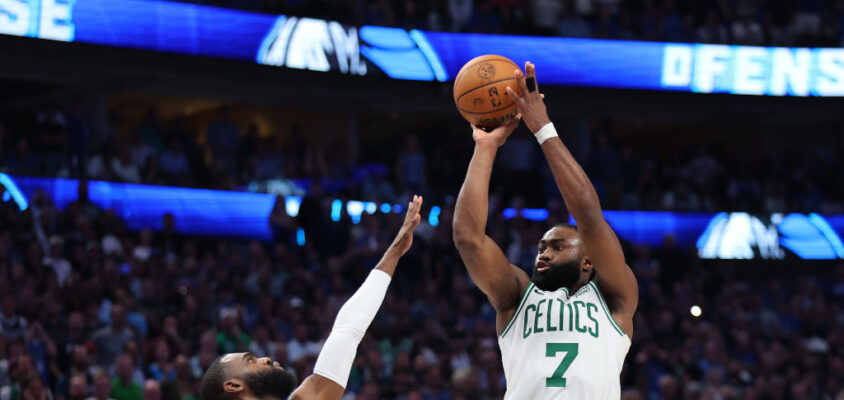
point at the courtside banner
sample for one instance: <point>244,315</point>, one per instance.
<point>328,46</point>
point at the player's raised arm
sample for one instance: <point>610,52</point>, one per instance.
<point>614,277</point>
<point>331,372</point>
<point>495,276</point>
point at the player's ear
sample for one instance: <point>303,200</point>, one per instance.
<point>234,386</point>
<point>586,264</point>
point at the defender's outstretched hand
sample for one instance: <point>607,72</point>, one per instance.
<point>404,239</point>
<point>497,136</point>
<point>531,104</point>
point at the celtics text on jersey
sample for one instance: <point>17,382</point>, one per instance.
<point>561,346</point>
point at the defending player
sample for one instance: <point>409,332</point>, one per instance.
<point>243,376</point>
<point>564,332</point>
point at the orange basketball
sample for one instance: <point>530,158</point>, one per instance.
<point>480,91</point>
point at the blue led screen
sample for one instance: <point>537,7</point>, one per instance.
<point>320,45</point>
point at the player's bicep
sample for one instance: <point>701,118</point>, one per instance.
<point>614,276</point>
<point>492,272</point>
<point>318,387</point>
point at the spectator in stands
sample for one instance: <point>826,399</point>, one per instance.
<point>151,171</point>
<point>161,367</point>
<point>78,389</point>
<point>150,131</point>
<point>13,326</point>
<point>411,167</point>
<point>572,25</point>
<point>34,390</point>
<point>460,13</point>
<point>111,339</point>
<point>223,140</point>
<point>546,16</point>
<point>269,162</point>
<point>122,386</point>
<point>232,338</point>
<point>152,390</point>
<point>122,167</point>
<point>51,136</point>
<point>61,266</point>
<point>102,387</point>
<point>22,161</point>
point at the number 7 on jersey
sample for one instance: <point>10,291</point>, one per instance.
<point>551,350</point>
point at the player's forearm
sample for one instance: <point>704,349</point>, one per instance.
<point>472,207</point>
<point>389,260</point>
<point>577,190</point>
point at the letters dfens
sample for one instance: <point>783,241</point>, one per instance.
<point>774,71</point>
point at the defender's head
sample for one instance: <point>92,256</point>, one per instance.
<point>241,376</point>
<point>561,259</point>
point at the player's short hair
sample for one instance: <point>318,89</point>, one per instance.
<point>211,385</point>
<point>566,225</point>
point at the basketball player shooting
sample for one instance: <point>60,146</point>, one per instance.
<point>244,376</point>
<point>564,331</point>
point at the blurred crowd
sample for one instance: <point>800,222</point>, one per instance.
<point>750,22</point>
<point>91,310</point>
<point>222,154</point>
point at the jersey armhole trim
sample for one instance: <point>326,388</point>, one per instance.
<point>607,310</point>
<point>525,295</point>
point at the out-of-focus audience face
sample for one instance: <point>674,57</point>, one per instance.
<point>102,386</point>
<point>78,389</point>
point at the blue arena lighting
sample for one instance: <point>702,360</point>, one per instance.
<point>336,209</point>
<point>826,230</point>
<point>354,209</point>
<point>434,216</point>
<point>802,236</point>
<point>13,192</point>
<point>430,54</point>
<point>386,208</point>
<point>291,205</point>
<point>300,236</point>
<point>322,45</point>
<point>246,215</point>
<point>370,207</point>
<point>534,214</point>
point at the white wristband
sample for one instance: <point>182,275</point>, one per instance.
<point>547,132</point>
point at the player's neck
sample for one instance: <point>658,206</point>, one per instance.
<point>575,287</point>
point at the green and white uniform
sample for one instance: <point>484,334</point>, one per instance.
<point>558,346</point>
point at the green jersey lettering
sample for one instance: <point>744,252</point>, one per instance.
<point>548,314</point>
<point>527,330</point>
<point>536,327</point>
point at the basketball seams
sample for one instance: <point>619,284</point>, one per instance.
<point>468,67</point>
<point>487,112</point>
<point>457,100</point>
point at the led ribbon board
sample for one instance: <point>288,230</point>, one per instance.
<point>320,45</point>
<point>723,235</point>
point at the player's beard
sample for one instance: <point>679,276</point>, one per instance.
<point>274,383</point>
<point>559,275</point>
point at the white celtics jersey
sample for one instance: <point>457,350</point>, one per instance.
<point>558,346</point>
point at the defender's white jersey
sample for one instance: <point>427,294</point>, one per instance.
<point>558,346</point>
